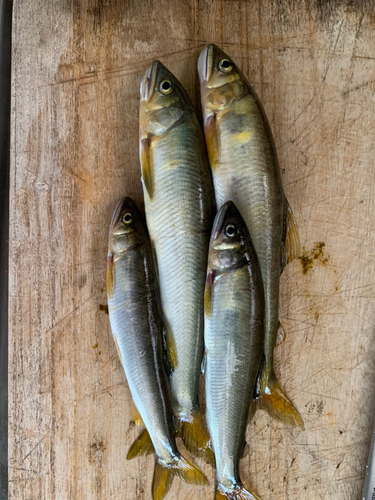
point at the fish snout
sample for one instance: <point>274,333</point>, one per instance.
<point>149,80</point>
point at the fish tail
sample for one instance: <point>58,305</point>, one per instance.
<point>141,446</point>
<point>276,403</point>
<point>164,474</point>
<point>196,438</point>
<point>238,493</point>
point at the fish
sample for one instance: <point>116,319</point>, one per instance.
<point>245,170</point>
<point>135,318</point>
<point>180,209</point>
<point>233,338</point>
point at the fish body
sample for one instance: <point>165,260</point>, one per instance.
<point>137,329</point>
<point>245,170</point>
<point>234,328</point>
<point>180,208</point>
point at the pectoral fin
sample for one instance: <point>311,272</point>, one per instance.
<point>212,141</point>
<point>146,166</point>
<point>208,293</point>
<point>110,274</point>
<point>291,244</point>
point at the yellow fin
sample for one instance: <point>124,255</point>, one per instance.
<point>237,493</point>
<point>196,438</point>
<point>135,414</point>
<point>171,349</point>
<point>208,291</point>
<point>164,474</point>
<point>292,245</point>
<point>110,274</point>
<point>141,446</point>
<point>212,141</point>
<point>146,166</point>
<point>275,402</point>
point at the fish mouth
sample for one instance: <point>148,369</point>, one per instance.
<point>206,62</point>
<point>125,204</point>
<point>149,80</point>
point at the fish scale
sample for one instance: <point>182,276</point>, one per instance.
<point>233,338</point>
<point>245,170</point>
<point>134,313</point>
<point>137,332</point>
<point>180,208</point>
<point>181,280</point>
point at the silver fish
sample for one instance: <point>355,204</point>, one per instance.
<point>137,329</point>
<point>245,170</point>
<point>233,336</point>
<point>180,208</point>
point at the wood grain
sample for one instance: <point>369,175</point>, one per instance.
<point>77,67</point>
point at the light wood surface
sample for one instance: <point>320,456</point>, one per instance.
<point>77,67</point>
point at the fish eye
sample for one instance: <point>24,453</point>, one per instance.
<point>166,87</point>
<point>127,218</point>
<point>225,66</point>
<point>230,230</point>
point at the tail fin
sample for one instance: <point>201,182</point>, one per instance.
<point>238,493</point>
<point>275,402</point>
<point>141,446</point>
<point>196,438</point>
<point>164,474</point>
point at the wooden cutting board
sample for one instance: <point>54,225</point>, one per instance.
<point>77,66</point>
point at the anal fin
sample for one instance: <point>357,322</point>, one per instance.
<point>141,446</point>
<point>273,400</point>
<point>164,474</point>
<point>291,243</point>
<point>170,346</point>
<point>236,493</point>
<point>196,438</point>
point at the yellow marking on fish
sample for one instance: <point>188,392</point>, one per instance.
<point>242,137</point>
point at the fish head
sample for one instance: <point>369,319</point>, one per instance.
<point>229,240</point>
<point>164,102</point>
<point>128,228</point>
<point>222,83</point>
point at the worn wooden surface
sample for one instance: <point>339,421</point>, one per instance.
<point>77,67</point>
